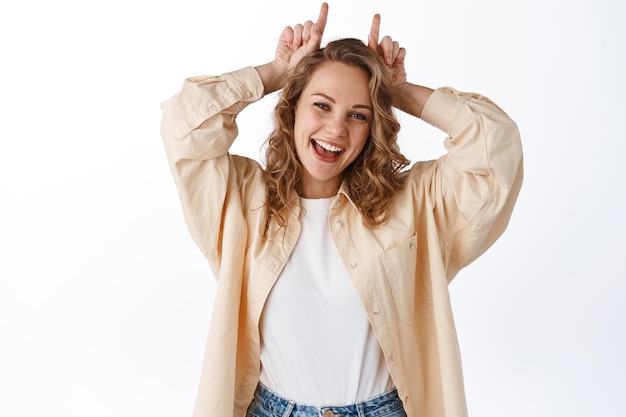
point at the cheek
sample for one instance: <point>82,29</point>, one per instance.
<point>299,129</point>
<point>302,123</point>
<point>362,135</point>
<point>359,147</point>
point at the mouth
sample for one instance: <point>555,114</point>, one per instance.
<point>325,150</point>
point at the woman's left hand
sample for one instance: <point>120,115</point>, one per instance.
<point>389,52</point>
<point>408,97</point>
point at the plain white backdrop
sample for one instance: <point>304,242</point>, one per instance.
<point>104,299</point>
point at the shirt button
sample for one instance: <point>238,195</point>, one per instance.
<point>392,357</point>
<point>376,310</point>
<point>353,265</point>
<point>412,246</point>
<point>248,94</point>
<point>339,223</point>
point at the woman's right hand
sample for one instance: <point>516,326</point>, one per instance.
<point>298,41</point>
<point>294,44</point>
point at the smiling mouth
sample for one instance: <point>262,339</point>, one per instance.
<point>326,149</point>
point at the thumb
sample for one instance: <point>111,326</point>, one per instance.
<point>315,39</point>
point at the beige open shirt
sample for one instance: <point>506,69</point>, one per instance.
<point>448,213</point>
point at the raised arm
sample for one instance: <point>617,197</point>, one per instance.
<point>473,186</point>
<point>294,43</point>
<point>199,125</point>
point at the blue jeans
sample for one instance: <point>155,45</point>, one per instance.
<point>268,404</point>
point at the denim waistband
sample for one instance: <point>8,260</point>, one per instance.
<point>383,405</point>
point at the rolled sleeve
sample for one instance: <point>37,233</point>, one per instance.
<point>202,115</point>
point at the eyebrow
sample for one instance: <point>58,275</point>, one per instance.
<point>332,100</point>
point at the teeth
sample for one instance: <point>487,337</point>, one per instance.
<point>327,146</point>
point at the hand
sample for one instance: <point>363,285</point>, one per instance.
<point>389,52</point>
<point>408,97</point>
<point>298,41</point>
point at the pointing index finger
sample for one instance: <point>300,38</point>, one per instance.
<point>321,19</point>
<point>374,32</point>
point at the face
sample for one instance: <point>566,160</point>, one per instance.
<point>332,123</point>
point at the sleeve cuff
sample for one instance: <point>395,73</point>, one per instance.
<point>442,107</point>
<point>247,83</point>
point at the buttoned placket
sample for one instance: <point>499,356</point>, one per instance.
<point>339,231</point>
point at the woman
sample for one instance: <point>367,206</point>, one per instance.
<point>332,263</point>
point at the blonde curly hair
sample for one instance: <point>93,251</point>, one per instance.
<point>374,177</point>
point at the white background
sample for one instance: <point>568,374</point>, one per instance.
<point>104,299</point>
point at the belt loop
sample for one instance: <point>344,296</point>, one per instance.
<point>289,409</point>
<point>360,410</point>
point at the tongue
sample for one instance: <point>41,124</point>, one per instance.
<point>323,151</point>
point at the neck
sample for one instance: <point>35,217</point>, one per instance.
<point>320,189</point>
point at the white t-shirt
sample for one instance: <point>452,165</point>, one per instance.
<point>317,345</point>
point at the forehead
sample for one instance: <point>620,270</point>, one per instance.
<point>339,80</point>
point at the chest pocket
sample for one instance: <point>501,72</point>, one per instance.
<point>400,266</point>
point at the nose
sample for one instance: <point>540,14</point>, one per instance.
<point>336,126</point>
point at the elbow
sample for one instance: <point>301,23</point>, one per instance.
<point>504,152</point>
<point>511,161</point>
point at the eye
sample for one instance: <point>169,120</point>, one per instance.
<point>322,106</point>
<point>359,116</point>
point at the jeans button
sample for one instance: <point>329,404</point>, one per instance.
<point>329,413</point>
